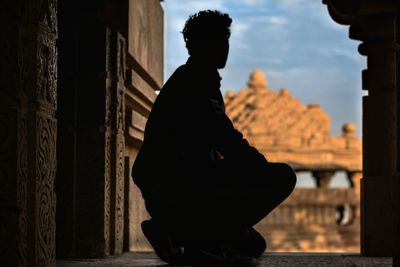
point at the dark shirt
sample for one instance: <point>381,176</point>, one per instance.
<point>187,132</point>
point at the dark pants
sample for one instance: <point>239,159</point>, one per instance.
<point>234,198</point>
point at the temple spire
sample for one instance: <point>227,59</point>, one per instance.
<point>257,80</point>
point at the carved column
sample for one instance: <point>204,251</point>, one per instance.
<point>374,23</point>
<point>27,132</point>
<point>323,178</point>
<point>355,182</point>
<point>90,179</point>
<point>379,136</point>
<point>116,79</point>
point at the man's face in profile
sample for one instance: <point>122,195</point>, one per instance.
<point>212,51</point>
<point>215,51</point>
<point>222,48</point>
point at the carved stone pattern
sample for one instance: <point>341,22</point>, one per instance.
<point>107,188</point>
<point>45,196</point>
<point>46,134</point>
<point>121,72</point>
<point>48,14</point>
<point>121,54</point>
<point>29,60</point>
<point>22,187</point>
<point>46,71</point>
<point>120,191</point>
<point>107,119</point>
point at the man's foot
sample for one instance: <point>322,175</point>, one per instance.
<point>250,243</point>
<point>204,256</point>
<point>216,256</point>
<point>161,242</point>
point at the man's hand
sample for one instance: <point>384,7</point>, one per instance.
<point>232,145</point>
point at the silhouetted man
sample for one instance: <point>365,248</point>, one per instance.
<point>203,184</point>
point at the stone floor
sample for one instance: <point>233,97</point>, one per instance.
<point>268,259</point>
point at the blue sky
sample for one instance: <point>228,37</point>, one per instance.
<point>294,42</point>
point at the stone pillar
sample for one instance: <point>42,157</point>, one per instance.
<point>117,109</point>
<point>379,136</point>
<point>374,23</point>
<point>27,132</point>
<point>323,178</point>
<point>355,182</point>
<point>90,178</point>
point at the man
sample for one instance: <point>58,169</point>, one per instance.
<point>203,184</point>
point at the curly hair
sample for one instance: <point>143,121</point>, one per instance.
<point>206,24</point>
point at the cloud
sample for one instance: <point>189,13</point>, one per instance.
<point>177,24</point>
<point>277,21</point>
<point>294,4</point>
<point>192,6</point>
<point>333,52</point>
<point>239,35</point>
<point>249,3</point>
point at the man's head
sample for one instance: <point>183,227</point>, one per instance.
<point>206,34</point>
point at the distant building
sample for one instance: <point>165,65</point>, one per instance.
<point>285,130</point>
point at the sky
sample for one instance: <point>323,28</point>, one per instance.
<point>294,42</point>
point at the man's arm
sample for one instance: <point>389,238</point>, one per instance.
<point>231,144</point>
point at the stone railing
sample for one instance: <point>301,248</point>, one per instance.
<point>312,205</point>
<point>314,219</point>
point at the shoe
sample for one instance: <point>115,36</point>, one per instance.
<point>161,243</point>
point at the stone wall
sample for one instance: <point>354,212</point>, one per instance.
<point>28,100</point>
<point>145,76</point>
<point>111,63</point>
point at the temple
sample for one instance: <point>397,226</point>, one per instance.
<point>78,81</point>
<point>285,130</point>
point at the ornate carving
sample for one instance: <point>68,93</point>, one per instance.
<point>107,190</point>
<point>119,224</point>
<point>22,188</point>
<point>117,74</point>
<point>120,127</point>
<point>47,14</point>
<point>46,133</point>
<point>46,74</point>
<point>121,54</point>
<point>45,196</point>
<point>29,58</point>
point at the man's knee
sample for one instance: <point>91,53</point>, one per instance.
<point>286,177</point>
<point>290,175</point>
